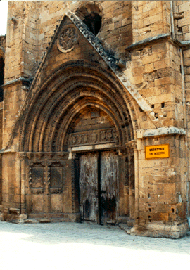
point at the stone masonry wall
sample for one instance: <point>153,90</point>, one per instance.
<point>155,70</point>
<point>2,45</point>
<point>149,19</point>
<point>143,33</point>
<point>181,11</point>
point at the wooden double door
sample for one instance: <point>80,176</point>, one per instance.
<point>98,186</point>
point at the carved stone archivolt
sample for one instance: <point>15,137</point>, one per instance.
<point>47,124</point>
<point>67,39</point>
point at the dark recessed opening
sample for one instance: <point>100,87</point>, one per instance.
<point>156,115</point>
<point>1,79</point>
<point>94,22</point>
<point>179,29</point>
<point>152,106</point>
<point>163,105</point>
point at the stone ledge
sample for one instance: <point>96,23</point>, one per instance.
<point>136,45</point>
<point>163,131</point>
<point>17,81</point>
<point>157,230</point>
<point>147,41</point>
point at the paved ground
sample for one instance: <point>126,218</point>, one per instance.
<point>82,246</point>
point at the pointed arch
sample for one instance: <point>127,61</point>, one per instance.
<point>56,102</point>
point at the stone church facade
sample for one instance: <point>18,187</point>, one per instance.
<point>94,118</point>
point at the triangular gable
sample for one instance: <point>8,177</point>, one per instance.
<point>72,41</point>
<point>70,20</point>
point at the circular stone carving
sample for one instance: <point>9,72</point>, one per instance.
<point>67,39</point>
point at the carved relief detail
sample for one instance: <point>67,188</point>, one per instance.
<point>67,39</point>
<point>93,137</point>
<point>36,181</point>
<point>56,178</point>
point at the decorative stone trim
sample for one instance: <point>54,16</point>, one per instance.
<point>98,137</point>
<point>163,131</point>
<point>94,41</point>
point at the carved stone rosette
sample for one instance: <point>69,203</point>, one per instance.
<point>67,39</point>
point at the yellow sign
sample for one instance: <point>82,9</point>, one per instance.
<point>157,151</point>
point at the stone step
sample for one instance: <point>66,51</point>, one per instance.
<point>44,220</point>
<point>31,221</point>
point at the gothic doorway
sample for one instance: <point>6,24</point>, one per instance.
<point>85,121</point>
<point>98,186</point>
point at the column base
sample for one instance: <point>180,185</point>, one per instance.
<point>157,229</point>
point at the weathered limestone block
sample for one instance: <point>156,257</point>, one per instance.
<point>157,229</point>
